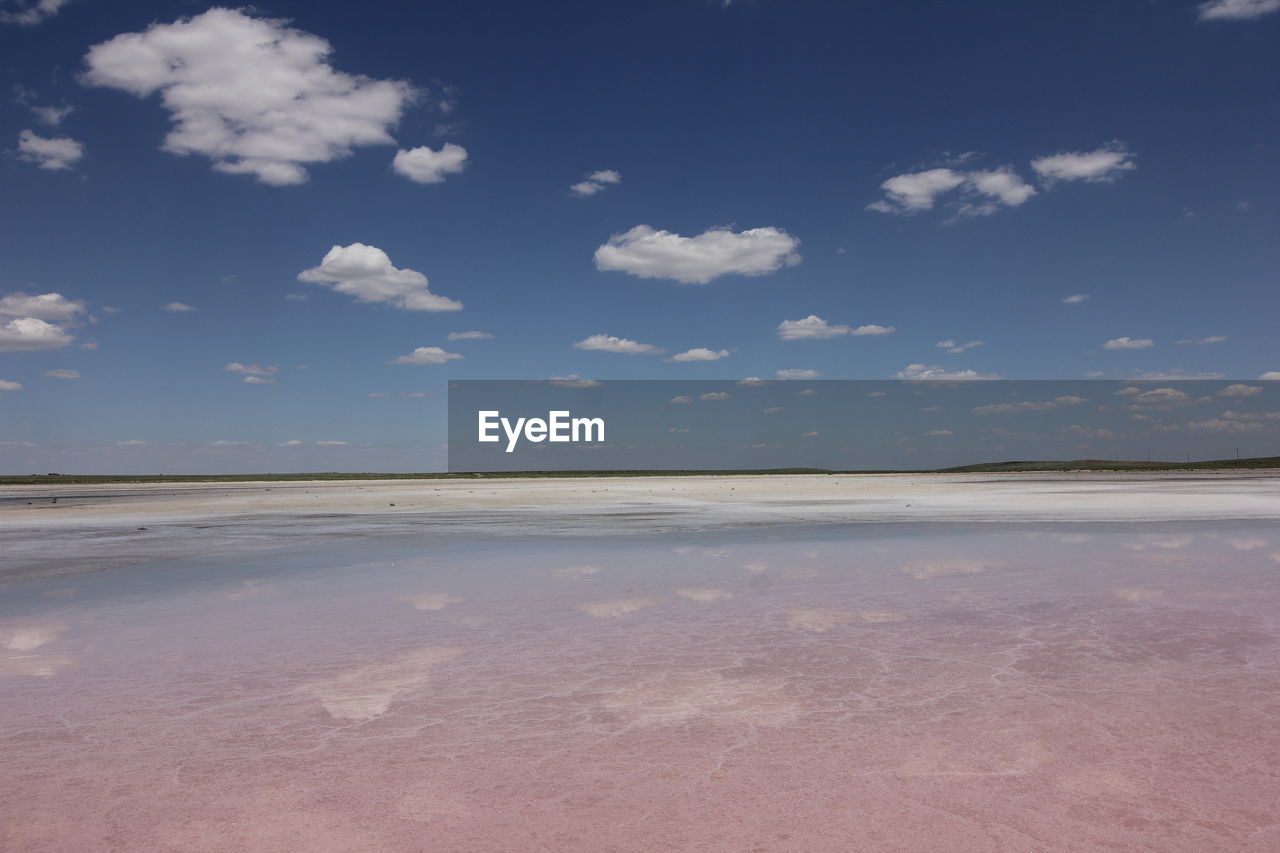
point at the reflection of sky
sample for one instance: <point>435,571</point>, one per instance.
<point>714,688</point>
<point>855,425</point>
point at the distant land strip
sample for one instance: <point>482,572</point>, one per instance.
<point>1010,467</point>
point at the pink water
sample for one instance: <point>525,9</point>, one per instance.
<point>897,687</point>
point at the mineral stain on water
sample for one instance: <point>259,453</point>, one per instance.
<point>824,688</point>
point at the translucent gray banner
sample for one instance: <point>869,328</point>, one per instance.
<point>683,425</point>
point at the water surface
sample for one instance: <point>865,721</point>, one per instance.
<point>832,688</point>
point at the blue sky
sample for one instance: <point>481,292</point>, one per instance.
<point>829,188</point>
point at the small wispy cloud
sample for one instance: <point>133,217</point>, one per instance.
<point>55,153</point>
<point>700,354</point>
<point>1127,342</point>
<point>426,355</point>
<point>251,369</point>
<point>1237,10</point>
<point>611,343</point>
<point>951,346</point>
<point>596,182</point>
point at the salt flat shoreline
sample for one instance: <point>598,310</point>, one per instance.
<point>51,530</point>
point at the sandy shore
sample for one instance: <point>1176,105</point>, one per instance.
<point>52,530</point>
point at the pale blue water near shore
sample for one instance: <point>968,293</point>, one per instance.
<point>835,687</point>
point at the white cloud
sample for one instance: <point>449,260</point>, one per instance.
<point>59,152</point>
<point>425,355</point>
<point>609,343</point>
<point>700,354</point>
<point>1026,406</point>
<point>1237,10</point>
<point>1240,390</point>
<point>1103,165</point>
<point>1075,298</point>
<point>424,166</point>
<point>1221,425</point>
<point>573,381</point>
<point>1176,374</point>
<point>468,336</point>
<point>935,373</point>
<point>25,334</point>
<point>1127,342</point>
<point>251,369</point>
<point>62,374</point>
<point>583,189</point>
<point>810,328</point>
<point>52,116</point>
<point>6,385</point>
<point>1270,376</point>
<point>366,272</point>
<point>683,398</point>
<point>1211,339</point>
<point>596,182</point>
<point>178,307</point>
<point>1158,397</point>
<point>1251,416</point>
<point>331,443</point>
<point>252,94</point>
<point>45,306</point>
<point>1003,185</point>
<point>714,395</point>
<point>916,191</point>
<point>647,253</point>
<point>952,347</point>
<point>31,12</point>
<point>814,327</point>
<point>796,373</point>
<point>259,380</point>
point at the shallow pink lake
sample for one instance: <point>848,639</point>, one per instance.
<point>889,687</point>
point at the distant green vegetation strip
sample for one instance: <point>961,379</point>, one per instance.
<point>106,479</point>
<point>1109,465</point>
<point>984,468</point>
